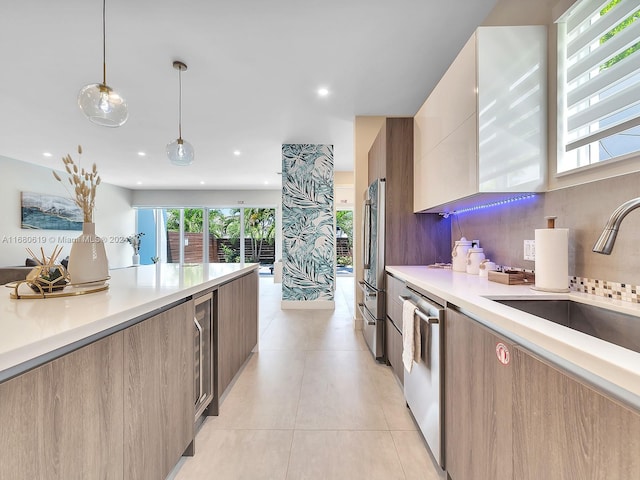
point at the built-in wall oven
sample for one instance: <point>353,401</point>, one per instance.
<point>203,339</point>
<point>423,386</point>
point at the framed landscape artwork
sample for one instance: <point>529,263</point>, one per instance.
<point>49,212</point>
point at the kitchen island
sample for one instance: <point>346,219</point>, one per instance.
<point>35,331</point>
<point>102,385</point>
<point>525,397</point>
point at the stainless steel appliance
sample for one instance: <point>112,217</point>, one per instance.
<point>423,386</point>
<point>373,307</point>
<point>203,347</point>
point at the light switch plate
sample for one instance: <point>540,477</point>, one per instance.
<point>530,250</point>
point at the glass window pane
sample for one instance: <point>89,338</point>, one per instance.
<point>224,235</point>
<point>259,237</point>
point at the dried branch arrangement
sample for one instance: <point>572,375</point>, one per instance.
<point>84,184</point>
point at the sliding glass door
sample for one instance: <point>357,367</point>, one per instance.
<point>215,235</point>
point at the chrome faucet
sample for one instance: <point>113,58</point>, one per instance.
<point>608,236</point>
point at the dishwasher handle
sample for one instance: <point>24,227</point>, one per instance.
<point>427,318</point>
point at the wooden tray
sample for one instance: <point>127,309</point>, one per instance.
<point>512,277</point>
<point>70,290</point>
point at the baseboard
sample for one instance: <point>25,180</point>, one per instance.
<point>308,305</point>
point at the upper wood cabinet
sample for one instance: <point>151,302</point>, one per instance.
<point>483,127</point>
<point>410,239</point>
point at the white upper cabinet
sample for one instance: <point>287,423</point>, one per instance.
<point>483,127</point>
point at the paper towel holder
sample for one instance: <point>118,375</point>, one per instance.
<point>551,221</point>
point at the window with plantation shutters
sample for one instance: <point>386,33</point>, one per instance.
<point>599,82</point>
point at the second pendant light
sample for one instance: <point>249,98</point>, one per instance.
<point>179,151</point>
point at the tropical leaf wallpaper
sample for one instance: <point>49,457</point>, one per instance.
<point>308,234</point>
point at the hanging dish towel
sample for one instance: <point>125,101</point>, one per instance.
<point>410,335</point>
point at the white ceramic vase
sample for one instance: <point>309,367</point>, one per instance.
<point>88,258</point>
<point>135,260</point>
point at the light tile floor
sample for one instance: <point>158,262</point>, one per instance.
<point>311,404</point>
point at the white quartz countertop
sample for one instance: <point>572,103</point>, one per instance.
<point>31,330</point>
<point>613,368</point>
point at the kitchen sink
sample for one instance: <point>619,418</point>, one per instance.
<point>614,327</point>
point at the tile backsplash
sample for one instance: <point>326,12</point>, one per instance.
<point>604,288</point>
<point>584,210</point>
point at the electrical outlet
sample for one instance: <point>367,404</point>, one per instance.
<point>530,250</point>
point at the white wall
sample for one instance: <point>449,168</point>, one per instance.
<point>206,198</point>
<point>114,217</point>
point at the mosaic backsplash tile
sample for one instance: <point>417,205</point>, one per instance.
<point>605,288</point>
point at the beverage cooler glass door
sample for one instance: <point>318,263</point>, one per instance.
<point>203,349</point>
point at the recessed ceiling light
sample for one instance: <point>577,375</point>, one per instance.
<point>323,92</point>
<point>138,182</point>
<point>47,154</point>
<point>201,182</point>
<point>236,152</point>
<point>266,182</point>
<point>142,154</point>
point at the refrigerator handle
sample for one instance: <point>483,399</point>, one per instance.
<point>366,235</point>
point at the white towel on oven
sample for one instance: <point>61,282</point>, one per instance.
<point>410,335</point>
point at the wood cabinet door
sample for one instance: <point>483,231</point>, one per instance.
<point>158,398</point>
<point>230,333</point>
<point>249,302</point>
<point>237,326</point>
<point>378,155</point>
<point>477,401</point>
<point>567,431</point>
<point>64,420</point>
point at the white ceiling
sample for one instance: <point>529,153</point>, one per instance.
<point>253,71</point>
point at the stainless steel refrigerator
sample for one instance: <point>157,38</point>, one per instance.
<point>373,306</point>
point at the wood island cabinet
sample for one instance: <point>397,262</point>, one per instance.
<point>158,397</point>
<point>64,419</point>
<point>237,326</point>
<point>122,407</point>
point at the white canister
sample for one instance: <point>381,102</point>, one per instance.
<point>485,267</point>
<point>475,256</point>
<point>459,255</point>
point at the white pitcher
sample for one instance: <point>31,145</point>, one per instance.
<point>459,255</point>
<point>475,256</point>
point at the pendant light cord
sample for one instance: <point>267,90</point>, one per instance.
<point>180,104</point>
<point>104,44</point>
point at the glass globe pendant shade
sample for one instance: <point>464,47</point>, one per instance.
<point>102,105</point>
<point>180,152</point>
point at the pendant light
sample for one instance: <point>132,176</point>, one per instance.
<point>99,102</point>
<point>180,152</point>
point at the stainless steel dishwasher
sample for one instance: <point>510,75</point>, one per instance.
<point>423,386</point>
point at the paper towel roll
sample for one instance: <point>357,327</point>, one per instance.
<point>552,259</point>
